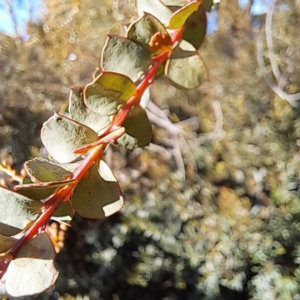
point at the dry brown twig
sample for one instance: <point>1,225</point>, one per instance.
<point>6,168</point>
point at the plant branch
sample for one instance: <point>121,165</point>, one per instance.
<point>269,39</point>
<point>93,157</point>
<point>14,20</point>
<point>280,79</point>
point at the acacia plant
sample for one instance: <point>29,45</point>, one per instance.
<point>164,40</point>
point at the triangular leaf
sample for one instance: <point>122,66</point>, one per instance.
<point>98,194</point>
<point>16,212</point>
<point>61,136</point>
<point>175,2</point>
<point>195,27</point>
<point>35,192</point>
<point>61,183</point>
<point>183,50</point>
<point>206,3</point>
<point>188,72</point>
<point>107,92</point>
<point>41,190</point>
<point>64,213</point>
<point>145,29</point>
<point>82,114</point>
<point>6,242</point>
<point>32,271</point>
<point>179,18</point>
<point>124,56</point>
<point>45,170</point>
<point>138,129</point>
<point>155,8</point>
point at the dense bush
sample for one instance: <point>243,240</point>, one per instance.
<point>230,230</point>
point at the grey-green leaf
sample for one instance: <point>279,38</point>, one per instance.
<point>138,129</point>
<point>155,8</point>
<point>142,30</point>
<point>45,170</point>
<point>16,212</point>
<point>108,91</point>
<point>32,271</point>
<point>124,56</point>
<point>174,2</point>
<point>188,72</point>
<point>98,194</point>
<point>61,136</point>
<point>82,114</point>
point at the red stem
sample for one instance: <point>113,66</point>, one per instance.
<point>94,156</point>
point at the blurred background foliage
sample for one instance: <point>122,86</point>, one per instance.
<point>231,228</point>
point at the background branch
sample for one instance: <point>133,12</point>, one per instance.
<point>14,20</point>
<point>280,79</point>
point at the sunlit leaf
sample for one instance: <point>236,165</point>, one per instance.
<point>82,114</point>
<point>174,2</point>
<point>32,271</point>
<point>195,27</point>
<point>179,18</point>
<point>188,72</point>
<point>6,242</point>
<point>138,129</point>
<point>16,212</point>
<point>45,170</point>
<point>61,136</point>
<point>155,8</point>
<point>71,167</point>
<point>146,97</point>
<point>150,32</point>
<point>107,92</point>
<point>98,194</point>
<point>179,3</point>
<point>124,56</point>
